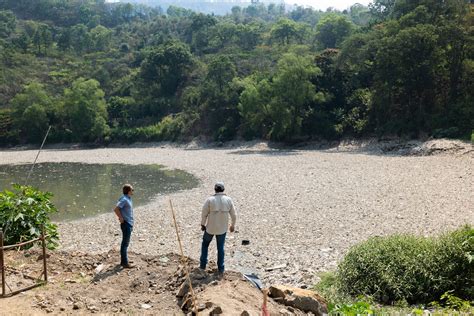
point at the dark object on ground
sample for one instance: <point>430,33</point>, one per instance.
<point>253,278</point>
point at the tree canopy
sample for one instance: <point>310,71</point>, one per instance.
<point>106,72</point>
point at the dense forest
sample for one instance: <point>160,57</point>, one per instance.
<point>115,72</point>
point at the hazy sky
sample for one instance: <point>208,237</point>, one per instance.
<point>324,4</point>
<point>317,4</point>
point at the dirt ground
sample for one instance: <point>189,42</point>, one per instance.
<point>83,284</point>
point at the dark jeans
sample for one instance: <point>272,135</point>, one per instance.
<point>126,233</point>
<point>206,240</point>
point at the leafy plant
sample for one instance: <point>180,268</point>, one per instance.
<point>353,309</point>
<point>23,212</point>
<point>415,269</point>
<point>454,302</point>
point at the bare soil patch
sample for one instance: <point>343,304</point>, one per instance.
<point>83,284</point>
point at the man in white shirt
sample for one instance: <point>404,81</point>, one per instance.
<point>215,221</point>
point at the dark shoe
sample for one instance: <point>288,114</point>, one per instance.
<point>128,266</point>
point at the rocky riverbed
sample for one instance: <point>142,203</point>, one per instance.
<point>300,209</point>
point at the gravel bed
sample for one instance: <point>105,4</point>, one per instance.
<point>300,209</point>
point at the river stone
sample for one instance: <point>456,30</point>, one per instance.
<point>305,300</point>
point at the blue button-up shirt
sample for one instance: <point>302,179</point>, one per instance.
<point>125,205</point>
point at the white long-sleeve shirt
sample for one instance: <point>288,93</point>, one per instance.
<point>215,214</point>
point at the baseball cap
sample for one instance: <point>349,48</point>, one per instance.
<point>219,185</point>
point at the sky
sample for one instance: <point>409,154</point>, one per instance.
<point>317,4</point>
<point>324,4</point>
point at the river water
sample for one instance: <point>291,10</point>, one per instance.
<point>83,190</point>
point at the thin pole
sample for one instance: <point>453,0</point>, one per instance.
<point>183,259</point>
<point>43,243</point>
<point>2,263</point>
<point>31,170</point>
<point>37,155</point>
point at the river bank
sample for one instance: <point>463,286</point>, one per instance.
<point>300,208</point>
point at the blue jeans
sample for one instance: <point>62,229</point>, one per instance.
<point>126,233</point>
<point>206,240</point>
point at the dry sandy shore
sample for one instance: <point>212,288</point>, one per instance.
<point>300,209</point>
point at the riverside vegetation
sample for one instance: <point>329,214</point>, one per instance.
<point>114,72</point>
<point>405,269</point>
<point>24,210</point>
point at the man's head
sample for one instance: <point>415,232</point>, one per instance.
<point>219,187</point>
<point>127,189</point>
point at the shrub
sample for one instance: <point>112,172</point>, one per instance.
<point>415,269</point>
<point>22,213</point>
<point>451,132</point>
<point>170,128</point>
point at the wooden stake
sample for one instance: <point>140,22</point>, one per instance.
<point>185,263</point>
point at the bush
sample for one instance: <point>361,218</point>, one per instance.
<point>415,269</point>
<point>22,213</point>
<point>451,132</point>
<point>170,128</point>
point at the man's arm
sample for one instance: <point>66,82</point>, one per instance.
<point>205,213</point>
<point>233,216</point>
<point>119,214</point>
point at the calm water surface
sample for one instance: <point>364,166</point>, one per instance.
<point>82,190</point>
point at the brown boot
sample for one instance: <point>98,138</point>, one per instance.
<point>128,266</point>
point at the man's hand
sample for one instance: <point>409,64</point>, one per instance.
<point>232,228</point>
<point>119,215</point>
<point>203,228</point>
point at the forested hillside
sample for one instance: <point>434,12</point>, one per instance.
<point>113,72</point>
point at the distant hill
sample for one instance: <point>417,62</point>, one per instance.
<point>219,7</point>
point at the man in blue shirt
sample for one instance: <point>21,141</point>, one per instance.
<point>124,212</point>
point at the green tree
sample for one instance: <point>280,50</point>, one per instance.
<point>332,30</point>
<point>218,97</point>
<point>293,93</point>
<point>85,110</point>
<point>278,108</point>
<point>42,37</point>
<point>7,23</point>
<point>382,9</point>
<point>199,31</point>
<point>31,108</point>
<point>165,67</point>
<point>284,31</point>
<point>100,37</point>
<point>64,40</point>
<point>249,35</point>
<point>23,42</point>
<point>81,40</point>
<point>406,72</point>
<point>254,107</point>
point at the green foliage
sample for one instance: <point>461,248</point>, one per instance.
<point>85,110</point>
<point>451,301</point>
<point>395,67</point>
<point>164,68</point>
<point>285,31</point>
<point>170,128</point>
<point>352,309</point>
<point>415,269</point>
<point>332,30</point>
<point>23,211</point>
<point>7,23</point>
<point>31,109</point>
<point>293,92</point>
